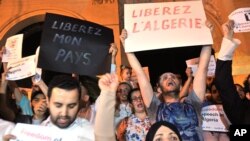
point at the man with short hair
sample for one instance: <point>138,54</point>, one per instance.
<point>63,102</point>
<point>184,115</point>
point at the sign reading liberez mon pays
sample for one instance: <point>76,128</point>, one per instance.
<point>72,45</point>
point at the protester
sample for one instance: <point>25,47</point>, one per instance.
<point>123,107</point>
<point>39,108</point>
<point>89,93</point>
<point>136,126</point>
<point>211,134</point>
<point>236,109</point>
<point>64,94</point>
<point>240,91</point>
<point>104,124</point>
<point>163,130</point>
<point>8,108</point>
<point>171,108</point>
<point>125,73</point>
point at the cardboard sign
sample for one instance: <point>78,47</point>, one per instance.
<point>72,45</point>
<point>193,63</point>
<point>27,132</point>
<point>13,47</point>
<point>241,18</point>
<point>165,25</point>
<point>21,68</point>
<point>214,119</point>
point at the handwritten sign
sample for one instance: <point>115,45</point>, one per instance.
<point>241,18</point>
<point>214,119</point>
<point>72,45</point>
<point>165,25</point>
<point>13,47</point>
<point>27,132</point>
<point>193,63</point>
<point>21,68</point>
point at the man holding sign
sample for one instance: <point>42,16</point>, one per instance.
<point>63,100</point>
<point>177,15</point>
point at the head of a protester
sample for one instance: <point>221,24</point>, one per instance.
<point>39,105</point>
<point>89,90</point>
<point>122,93</point>
<point>246,84</point>
<point>123,90</point>
<point>135,98</point>
<point>64,94</point>
<point>240,91</point>
<point>163,130</point>
<point>215,95</point>
<point>208,94</point>
<point>169,84</point>
<point>125,73</point>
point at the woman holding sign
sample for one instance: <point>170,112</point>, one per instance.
<point>215,123</point>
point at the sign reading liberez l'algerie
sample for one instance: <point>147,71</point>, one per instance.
<point>153,26</point>
<point>73,45</point>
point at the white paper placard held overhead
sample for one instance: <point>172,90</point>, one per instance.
<point>193,64</point>
<point>13,47</point>
<point>21,68</point>
<point>153,26</point>
<point>241,18</point>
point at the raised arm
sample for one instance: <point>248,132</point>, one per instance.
<point>185,89</point>
<point>113,50</point>
<point>5,112</point>
<point>37,80</point>
<point>144,84</point>
<point>104,121</point>
<point>232,104</point>
<point>199,83</point>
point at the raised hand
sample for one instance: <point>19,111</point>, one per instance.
<point>113,49</point>
<point>189,72</point>
<point>108,82</point>
<point>228,29</point>
<point>210,26</point>
<point>8,137</point>
<point>123,36</point>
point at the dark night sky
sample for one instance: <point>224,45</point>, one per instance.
<point>167,60</point>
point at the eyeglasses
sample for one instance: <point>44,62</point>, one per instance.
<point>137,98</point>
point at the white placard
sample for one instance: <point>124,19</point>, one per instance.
<point>13,48</point>
<point>214,119</point>
<point>193,63</point>
<point>21,68</point>
<point>241,18</point>
<point>165,25</point>
<point>27,132</point>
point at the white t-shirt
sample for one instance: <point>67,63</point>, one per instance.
<point>5,128</point>
<point>80,127</point>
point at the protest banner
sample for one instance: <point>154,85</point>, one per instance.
<point>193,64</point>
<point>214,119</point>
<point>13,48</point>
<point>27,132</point>
<point>21,68</point>
<point>72,45</point>
<point>165,25</point>
<point>241,18</point>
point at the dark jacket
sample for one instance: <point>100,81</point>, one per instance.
<point>236,109</point>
